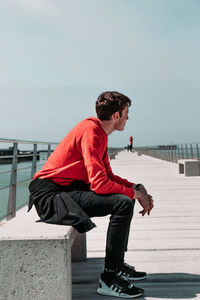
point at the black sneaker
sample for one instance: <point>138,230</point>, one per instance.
<point>117,285</point>
<point>131,273</point>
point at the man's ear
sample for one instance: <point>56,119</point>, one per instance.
<point>115,116</point>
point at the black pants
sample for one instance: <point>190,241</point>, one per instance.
<point>76,204</point>
<point>120,208</point>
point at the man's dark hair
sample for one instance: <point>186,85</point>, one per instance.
<point>110,102</point>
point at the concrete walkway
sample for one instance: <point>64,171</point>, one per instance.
<point>166,244</point>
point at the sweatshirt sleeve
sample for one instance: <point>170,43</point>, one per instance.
<point>110,174</point>
<point>93,147</point>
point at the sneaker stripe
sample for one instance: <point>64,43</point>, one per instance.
<point>132,274</point>
<point>116,291</point>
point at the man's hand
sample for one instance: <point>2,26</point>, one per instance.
<point>142,189</point>
<point>145,200</point>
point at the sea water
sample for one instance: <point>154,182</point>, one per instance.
<point>23,180</point>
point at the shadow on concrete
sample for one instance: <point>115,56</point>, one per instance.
<point>171,286</point>
<point>85,276</point>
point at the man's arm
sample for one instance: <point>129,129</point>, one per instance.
<point>141,194</point>
<point>92,148</point>
<point>112,176</point>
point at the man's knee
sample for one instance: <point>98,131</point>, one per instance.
<point>125,204</point>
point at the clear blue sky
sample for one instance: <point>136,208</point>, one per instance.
<point>58,56</point>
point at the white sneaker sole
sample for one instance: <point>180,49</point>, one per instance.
<point>137,279</point>
<point>106,291</point>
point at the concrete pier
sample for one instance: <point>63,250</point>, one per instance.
<point>165,244</point>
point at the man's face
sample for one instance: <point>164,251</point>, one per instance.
<point>121,121</point>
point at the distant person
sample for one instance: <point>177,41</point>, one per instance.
<point>131,143</point>
<point>77,183</point>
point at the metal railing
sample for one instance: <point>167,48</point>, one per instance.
<point>13,162</point>
<point>173,152</point>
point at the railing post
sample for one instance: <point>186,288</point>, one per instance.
<point>191,148</point>
<point>172,154</point>
<point>49,151</point>
<point>186,151</point>
<point>11,209</point>
<point>182,152</point>
<point>167,154</point>
<point>175,154</point>
<point>178,152</point>
<point>197,147</point>
<point>34,161</point>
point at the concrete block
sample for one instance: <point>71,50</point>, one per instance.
<point>181,168</point>
<point>35,269</point>
<point>35,258</point>
<point>190,167</point>
<point>79,248</point>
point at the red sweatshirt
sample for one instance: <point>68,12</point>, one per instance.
<point>83,155</point>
